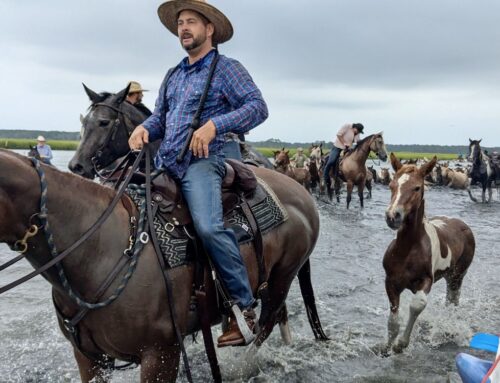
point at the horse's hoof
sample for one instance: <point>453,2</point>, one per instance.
<point>399,347</point>
<point>382,349</point>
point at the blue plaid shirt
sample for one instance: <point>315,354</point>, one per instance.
<point>234,104</point>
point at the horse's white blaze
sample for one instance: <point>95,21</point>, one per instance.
<point>438,262</point>
<point>401,181</point>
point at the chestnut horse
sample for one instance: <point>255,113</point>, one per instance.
<point>282,165</point>
<point>424,251</point>
<point>137,326</point>
<point>352,168</point>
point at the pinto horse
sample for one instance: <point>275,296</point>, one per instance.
<point>352,168</point>
<point>424,251</point>
<point>482,172</point>
<point>137,326</point>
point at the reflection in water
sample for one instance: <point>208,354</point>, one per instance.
<point>349,282</point>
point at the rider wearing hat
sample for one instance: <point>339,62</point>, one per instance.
<point>44,150</point>
<point>234,104</point>
<point>135,95</point>
<point>346,136</point>
<point>299,158</point>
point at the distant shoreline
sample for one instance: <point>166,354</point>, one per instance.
<point>24,143</point>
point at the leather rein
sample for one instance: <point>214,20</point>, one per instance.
<point>33,229</point>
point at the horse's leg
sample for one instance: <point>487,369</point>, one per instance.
<point>369,187</point>
<point>160,365</point>
<point>490,191</point>
<point>393,321</point>
<point>417,305</point>
<point>337,185</point>
<point>361,189</point>
<point>286,336</point>
<point>474,199</point>
<point>483,195</point>
<point>307,292</point>
<point>453,285</point>
<point>350,186</point>
<point>89,369</point>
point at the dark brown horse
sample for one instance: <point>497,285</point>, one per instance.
<point>352,168</point>
<point>137,326</point>
<point>424,251</point>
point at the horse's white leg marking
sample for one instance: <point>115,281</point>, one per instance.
<point>438,262</point>
<point>401,181</point>
<point>417,305</point>
<point>286,335</point>
<point>392,328</point>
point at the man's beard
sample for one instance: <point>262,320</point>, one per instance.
<point>197,42</point>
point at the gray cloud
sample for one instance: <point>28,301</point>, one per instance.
<point>428,65</point>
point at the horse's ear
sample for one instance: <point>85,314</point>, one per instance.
<point>93,96</point>
<point>479,141</point>
<point>470,140</point>
<point>321,145</point>
<point>286,151</point>
<point>427,167</point>
<point>396,164</point>
<point>122,95</point>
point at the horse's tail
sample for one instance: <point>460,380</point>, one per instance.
<point>308,295</point>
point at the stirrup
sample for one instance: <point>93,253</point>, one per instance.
<point>242,325</point>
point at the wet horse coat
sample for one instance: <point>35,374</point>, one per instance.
<point>424,251</point>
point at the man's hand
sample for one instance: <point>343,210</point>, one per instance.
<point>201,138</point>
<point>139,137</point>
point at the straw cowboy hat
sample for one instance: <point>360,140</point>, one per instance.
<point>169,12</point>
<point>40,138</point>
<point>135,87</point>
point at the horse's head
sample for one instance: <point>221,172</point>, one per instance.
<point>377,146</point>
<point>407,191</point>
<point>281,159</point>
<point>33,152</point>
<point>105,132</point>
<point>474,150</point>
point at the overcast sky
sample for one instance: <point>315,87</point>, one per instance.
<point>422,71</point>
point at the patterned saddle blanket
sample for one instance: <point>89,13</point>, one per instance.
<point>173,225</point>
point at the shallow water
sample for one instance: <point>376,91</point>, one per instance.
<point>349,283</point>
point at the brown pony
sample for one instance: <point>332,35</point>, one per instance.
<point>137,326</point>
<point>352,168</point>
<point>282,165</point>
<point>424,251</point>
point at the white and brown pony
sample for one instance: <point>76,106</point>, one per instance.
<point>424,251</point>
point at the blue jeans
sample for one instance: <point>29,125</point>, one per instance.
<point>232,150</point>
<point>201,187</point>
<point>332,159</point>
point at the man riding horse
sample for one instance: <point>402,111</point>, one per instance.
<point>233,104</point>
<point>346,136</point>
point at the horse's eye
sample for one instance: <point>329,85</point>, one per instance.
<point>417,188</point>
<point>103,122</point>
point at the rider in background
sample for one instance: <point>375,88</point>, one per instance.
<point>299,158</point>
<point>135,96</point>
<point>346,136</point>
<point>234,104</point>
<point>44,150</point>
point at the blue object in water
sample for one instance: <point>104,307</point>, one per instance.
<point>472,369</point>
<point>482,341</point>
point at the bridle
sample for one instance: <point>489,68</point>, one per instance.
<point>108,144</point>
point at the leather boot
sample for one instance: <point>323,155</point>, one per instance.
<point>233,335</point>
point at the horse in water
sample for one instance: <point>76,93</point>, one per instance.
<point>282,165</point>
<point>352,168</point>
<point>424,251</point>
<point>315,164</point>
<point>137,326</point>
<point>483,171</point>
<point>33,152</point>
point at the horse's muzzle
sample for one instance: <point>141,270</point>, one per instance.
<point>394,218</point>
